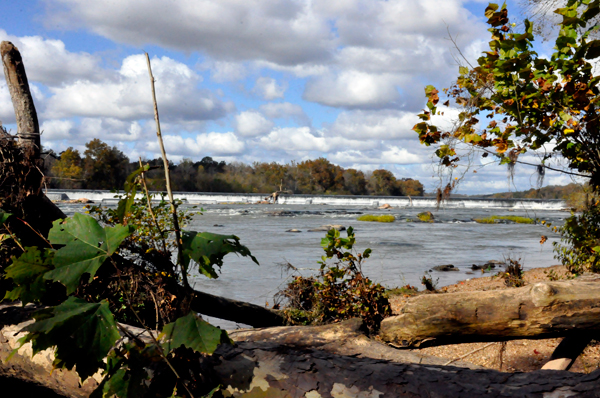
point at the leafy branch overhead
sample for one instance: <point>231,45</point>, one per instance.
<point>531,101</point>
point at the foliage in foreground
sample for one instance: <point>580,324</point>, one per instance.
<point>381,218</point>
<point>340,291</point>
<point>85,278</point>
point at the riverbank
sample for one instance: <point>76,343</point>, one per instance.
<point>512,356</point>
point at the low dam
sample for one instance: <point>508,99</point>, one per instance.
<point>199,198</point>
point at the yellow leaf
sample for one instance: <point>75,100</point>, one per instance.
<point>569,131</point>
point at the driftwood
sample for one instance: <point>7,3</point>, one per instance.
<point>542,310</point>
<point>327,361</point>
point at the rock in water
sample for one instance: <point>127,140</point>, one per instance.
<point>447,267</point>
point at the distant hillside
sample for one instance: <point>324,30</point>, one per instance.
<point>550,192</point>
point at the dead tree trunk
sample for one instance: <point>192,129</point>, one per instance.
<point>543,310</point>
<point>28,129</point>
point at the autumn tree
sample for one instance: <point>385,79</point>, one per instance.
<point>68,169</point>
<point>515,102</point>
<point>383,182</point>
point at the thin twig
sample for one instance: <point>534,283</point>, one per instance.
<point>168,182</point>
<point>149,201</point>
<point>14,237</point>
<point>468,353</point>
<point>34,230</point>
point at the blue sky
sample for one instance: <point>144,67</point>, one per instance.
<point>255,80</point>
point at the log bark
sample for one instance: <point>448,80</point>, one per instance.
<point>28,129</point>
<point>543,310</point>
<point>326,361</point>
<point>235,311</point>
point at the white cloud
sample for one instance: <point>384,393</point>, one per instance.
<point>285,32</point>
<point>56,129</point>
<point>375,125</point>
<point>268,88</point>
<point>286,110</point>
<point>303,139</point>
<point>208,144</point>
<point>251,123</point>
<point>47,61</point>
<point>224,71</point>
<point>126,95</point>
<point>392,155</point>
<point>353,89</point>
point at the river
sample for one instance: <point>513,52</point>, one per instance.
<point>402,251</point>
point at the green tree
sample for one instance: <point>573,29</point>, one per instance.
<point>355,182</point>
<point>104,167</point>
<point>383,182</point>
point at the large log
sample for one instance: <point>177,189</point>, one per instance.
<point>235,311</point>
<point>539,311</point>
<point>326,361</point>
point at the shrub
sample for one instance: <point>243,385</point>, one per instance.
<point>340,291</point>
<point>382,218</point>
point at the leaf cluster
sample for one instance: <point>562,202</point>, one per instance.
<point>530,101</point>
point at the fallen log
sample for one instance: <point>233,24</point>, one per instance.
<point>543,310</point>
<point>235,311</point>
<point>323,361</point>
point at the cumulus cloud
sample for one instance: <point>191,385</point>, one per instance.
<point>303,139</point>
<point>268,88</point>
<point>126,94</point>
<point>48,61</point>
<point>56,129</point>
<point>286,110</point>
<point>391,155</point>
<point>207,144</point>
<point>364,125</point>
<point>353,89</point>
<point>252,123</point>
<point>285,32</point>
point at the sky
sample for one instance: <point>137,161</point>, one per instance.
<point>252,80</point>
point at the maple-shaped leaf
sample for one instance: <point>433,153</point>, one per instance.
<point>86,246</point>
<point>82,332</point>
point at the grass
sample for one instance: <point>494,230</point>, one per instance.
<point>516,219</point>
<point>383,218</point>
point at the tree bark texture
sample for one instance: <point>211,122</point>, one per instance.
<point>542,310</point>
<point>235,311</point>
<point>28,129</point>
<point>311,362</point>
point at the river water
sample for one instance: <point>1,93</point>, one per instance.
<point>402,251</point>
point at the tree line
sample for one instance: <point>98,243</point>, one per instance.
<point>104,167</point>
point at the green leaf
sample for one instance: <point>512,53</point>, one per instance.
<point>463,70</point>
<point>125,204</point>
<point>82,332</point>
<point>208,249</point>
<point>4,216</point>
<point>87,246</point>
<point>27,273</point>
<point>192,332</point>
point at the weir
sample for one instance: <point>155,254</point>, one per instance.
<point>199,198</point>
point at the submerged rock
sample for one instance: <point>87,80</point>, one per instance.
<point>447,267</point>
<point>325,228</point>
<point>293,230</point>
